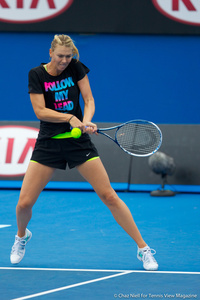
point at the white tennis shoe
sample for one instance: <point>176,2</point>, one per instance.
<point>18,249</point>
<point>146,256</point>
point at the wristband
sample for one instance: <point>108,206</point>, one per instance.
<point>70,119</point>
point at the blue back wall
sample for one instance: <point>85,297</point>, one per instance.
<point>147,77</point>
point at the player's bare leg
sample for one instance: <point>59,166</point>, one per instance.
<point>37,176</point>
<point>35,179</point>
<point>95,173</point>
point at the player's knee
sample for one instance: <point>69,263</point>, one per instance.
<point>110,198</point>
<point>23,203</point>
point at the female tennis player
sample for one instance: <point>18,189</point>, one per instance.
<point>54,90</point>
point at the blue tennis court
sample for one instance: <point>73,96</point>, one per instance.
<point>78,251</point>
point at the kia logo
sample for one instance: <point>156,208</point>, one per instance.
<point>16,146</point>
<point>30,11</point>
<point>184,11</point>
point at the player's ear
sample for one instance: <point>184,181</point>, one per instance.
<point>50,53</point>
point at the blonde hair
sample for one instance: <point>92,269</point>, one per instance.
<point>64,40</point>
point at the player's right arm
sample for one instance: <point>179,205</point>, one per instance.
<point>46,114</point>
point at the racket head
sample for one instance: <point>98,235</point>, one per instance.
<point>139,137</point>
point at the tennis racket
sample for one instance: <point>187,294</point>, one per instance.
<point>136,137</point>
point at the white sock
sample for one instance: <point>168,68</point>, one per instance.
<point>144,249</point>
<point>23,237</point>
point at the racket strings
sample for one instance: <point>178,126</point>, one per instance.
<point>138,138</point>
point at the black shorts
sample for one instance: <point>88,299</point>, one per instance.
<point>57,153</point>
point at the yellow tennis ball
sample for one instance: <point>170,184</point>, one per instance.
<point>76,133</point>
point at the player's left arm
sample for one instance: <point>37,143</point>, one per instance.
<point>89,105</point>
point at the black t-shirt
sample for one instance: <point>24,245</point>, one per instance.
<point>61,93</point>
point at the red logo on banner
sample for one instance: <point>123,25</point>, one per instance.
<point>16,146</point>
<point>184,11</point>
<point>30,11</point>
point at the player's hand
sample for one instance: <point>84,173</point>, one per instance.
<point>76,123</point>
<point>90,128</point>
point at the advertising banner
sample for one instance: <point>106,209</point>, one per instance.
<point>101,16</point>
<point>181,142</point>
<point>16,145</point>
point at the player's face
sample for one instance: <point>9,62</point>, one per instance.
<point>61,57</point>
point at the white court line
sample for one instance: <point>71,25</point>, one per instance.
<point>99,270</point>
<point>3,226</point>
<point>70,286</point>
